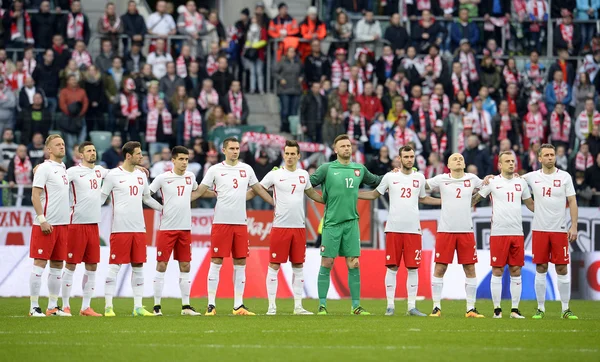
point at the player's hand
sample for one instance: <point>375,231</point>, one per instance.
<point>144,170</point>
<point>572,233</point>
<point>487,179</point>
<point>46,228</point>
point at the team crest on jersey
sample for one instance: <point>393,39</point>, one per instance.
<point>416,183</point>
<point>242,173</point>
<point>556,183</point>
<point>188,180</point>
<point>302,180</point>
<point>357,173</point>
<point>518,187</point>
<point>98,174</point>
<point>70,255</point>
<point>140,180</point>
<point>467,183</point>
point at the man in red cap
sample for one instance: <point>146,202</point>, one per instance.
<point>566,34</point>
<point>340,70</point>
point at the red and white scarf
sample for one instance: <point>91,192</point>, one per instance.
<point>366,72</point>
<point>482,123</point>
<point>560,133</point>
<point>457,83</point>
<point>535,74</point>
<point>14,30</point>
<point>205,98</point>
<point>358,157</point>
<point>402,86</point>
<point>584,121</point>
<point>583,162</point>
<point>467,60</point>
<point>211,64</point>
<point>16,80</point>
<point>82,58</point>
<point>402,136</point>
<point>447,6</point>
<point>23,169</point>
<point>388,61</point>
<point>339,71</point>
<point>560,91</point>
<point>461,142</point>
<point>151,101</point>
<point>193,23</point>
<point>152,124</point>
<point>534,127</point>
<point>537,8</point>
<point>181,67</point>
<point>443,108</point>
<point>432,119</point>
<point>29,65</point>
<point>534,165</point>
<point>510,76</point>
<point>75,26</point>
<point>355,87</point>
<point>129,106</point>
<point>106,23</point>
<point>361,122</point>
<point>423,5</point>
<point>438,147</point>
<point>567,32</point>
<point>505,126</point>
<point>3,66</point>
<point>235,103</point>
<point>496,55</point>
<point>520,8</point>
<point>416,104</point>
<point>436,64</point>
<point>192,122</point>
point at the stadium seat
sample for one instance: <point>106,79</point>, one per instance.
<point>101,140</point>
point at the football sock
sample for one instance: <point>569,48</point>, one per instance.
<point>88,284</point>
<point>213,282</point>
<point>185,286</point>
<point>540,290</point>
<point>67,285</point>
<point>390,286</point>
<point>437,284</point>
<point>323,284</point>
<point>298,286</point>
<point>564,290</point>
<point>159,283</point>
<point>272,285</point>
<point>354,284</point>
<point>515,291</point>
<point>54,281</point>
<point>35,284</point>
<point>137,284</point>
<point>471,290</point>
<point>110,286</point>
<point>412,283</point>
<point>239,278</point>
<point>496,287</point>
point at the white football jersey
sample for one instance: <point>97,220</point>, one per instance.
<point>127,190</point>
<point>550,194</point>
<point>288,194</point>
<point>506,196</point>
<point>456,197</point>
<point>85,193</point>
<point>405,192</point>
<point>176,193</point>
<point>230,183</point>
<point>52,178</point>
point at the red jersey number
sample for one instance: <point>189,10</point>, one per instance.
<point>235,183</point>
<point>406,193</point>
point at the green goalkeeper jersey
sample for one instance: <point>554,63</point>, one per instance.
<point>340,185</point>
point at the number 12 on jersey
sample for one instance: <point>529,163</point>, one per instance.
<point>349,183</point>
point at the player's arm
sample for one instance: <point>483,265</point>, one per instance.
<point>314,195</point>
<point>149,201</point>
<point>250,195</point>
<point>529,203</point>
<point>260,191</point>
<point>428,200</point>
<point>319,176</point>
<point>481,194</point>
<point>39,180</point>
<point>369,195</point>
<point>475,199</point>
<point>572,200</point>
<point>107,186</point>
<point>371,179</point>
<point>202,191</point>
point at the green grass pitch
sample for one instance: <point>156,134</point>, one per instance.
<point>336,337</point>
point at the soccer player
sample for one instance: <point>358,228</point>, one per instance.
<point>455,231</point>
<point>288,235</point>
<point>229,233</point>
<point>174,234</point>
<point>340,181</point>
<point>85,182</point>
<point>128,188</point>
<point>49,233</point>
<point>550,238</point>
<point>506,240</point>
<point>403,227</point>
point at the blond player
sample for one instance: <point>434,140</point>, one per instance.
<point>403,227</point>
<point>128,188</point>
<point>49,233</point>
<point>506,240</point>
<point>229,235</point>
<point>550,187</point>
<point>455,232</point>
<point>174,233</point>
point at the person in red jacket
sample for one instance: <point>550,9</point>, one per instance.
<point>310,28</point>
<point>284,28</point>
<point>370,105</point>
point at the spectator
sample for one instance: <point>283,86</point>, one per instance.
<point>62,55</point>
<point>460,80</point>
<point>356,126</point>
<point>355,83</point>
<point>400,136</point>
<point>194,79</point>
<point>164,163</point>
<point>73,104</point>
<point>313,110</point>
<point>97,97</point>
<point>566,34</point>
<point>236,103</point>
<point>311,28</point>
<point>129,115</point>
<point>20,172</point>
<point>434,65</point>
<point>363,60</point>
<point>77,26</point>
<point>367,29</point>
<point>380,164</point>
<point>386,66</point>
<point>104,60</point>
<point>592,65</point>
<point>26,94</point>
<point>583,190</point>
<point>537,11</point>
<point>183,61</point>
<point>496,14</point>
<point>593,140</point>
<point>17,26</point>
<point>254,55</point>
<point>535,72</point>
<point>160,23</point>
<point>559,5</point>
<point>438,142</point>
<point>424,117</point>
<point>113,156</point>
<point>287,74</point>
<point>587,120</point>
<point>377,132</point>
<point>370,105</point>
<point>191,121</point>
<point>592,176</point>
<point>216,118</point>
<point>45,76</point>
<point>215,27</point>
<point>144,79</point>
<point>169,83</point>
<point>557,91</point>
<point>481,120</point>
<point>8,148</point>
<point>261,16</point>
<point>505,126</point>
<point>490,76</point>
<point>533,126</point>
<point>397,35</point>
<point>262,167</point>
<point>454,119</point>
<point>8,103</point>
<point>222,78</point>
<point>6,65</point>
<point>35,149</point>
<point>191,23</point>
<point>341,99</point>
<point>492,49</point>
<point>35,119</point>
<point>110,25</point>
<point>135,60</point>
<point>176,104</point>
<point>466,57</point>
<point>582,91</point>
<point>340,70</point>
<point>398,111</point>
<point>158,59</point>
<point>15,79</point>
<point>284,28</point>
<point>584,159</point>
<point>333,126</point>
<point>159,128</point>
<point>44,26</point>
<point>29,63</point>
<point>463,28</point>
<point>211,60</point>
<point>478,154</point>
<point>510,73</point>
<point>208,98</point>
<point>440,103</point>
<point>241,30</point>
<point>427,32</point>
<point>133,26</point>
<point>342,33</point>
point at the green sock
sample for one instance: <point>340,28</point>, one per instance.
<point>323,284</point>
<point>354,285</point>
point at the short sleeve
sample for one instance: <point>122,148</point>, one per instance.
<point>71,174</point>
<point>267,181</point>
<point>107,185</point>
<point>422,192</point>
<point>103,172</point>
<point>569,189</point>
<point>369,178</point>
<point>41,176</point>
<point>194,185</point>
<point>146,186</point>
<point>307,185</point>
<point>209,178</point>
<point>156,184</point>
<point>252,180</point>
<point>434,183</point>
<point>383,185</point>
<point>477,182</point>
<point>320,174</point>
<point>526,194</point>
<point>485,190</point>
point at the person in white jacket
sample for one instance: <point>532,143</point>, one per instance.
<point>367,28</point>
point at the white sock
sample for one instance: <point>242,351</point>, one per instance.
<point>35,284</point>
<point>496,287</point>
<point>437,284</point>
<point>137,284</point>
<point>110,286</point>
<point>239,283</point>
<point>88,284</point>
<point>213,282</point>
<point>159,283</point>
<point>271,286</point>
<point>515,291</point>
<point>471,290</point>
<point>564,290</point>
<point>540,290</point>
<point>412,284</point>
<point>298,286</point>
<point>390,287</point>
<point>67,285</point>
<point>54,281</point>
<point>185,286</point>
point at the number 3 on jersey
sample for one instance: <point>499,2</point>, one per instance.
<point>235,183</point>
<point>349,183</point>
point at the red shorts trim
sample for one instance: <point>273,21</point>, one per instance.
<point>226,240</point>
<point>507,249</point>
<point>177,241</point>
<point>286,242</point>
<point>127,248</point>
<point>83,244</point>
<point>463,243</point>
<point>399,245</point>
<point>49,247</point>
<point>550,247</point>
